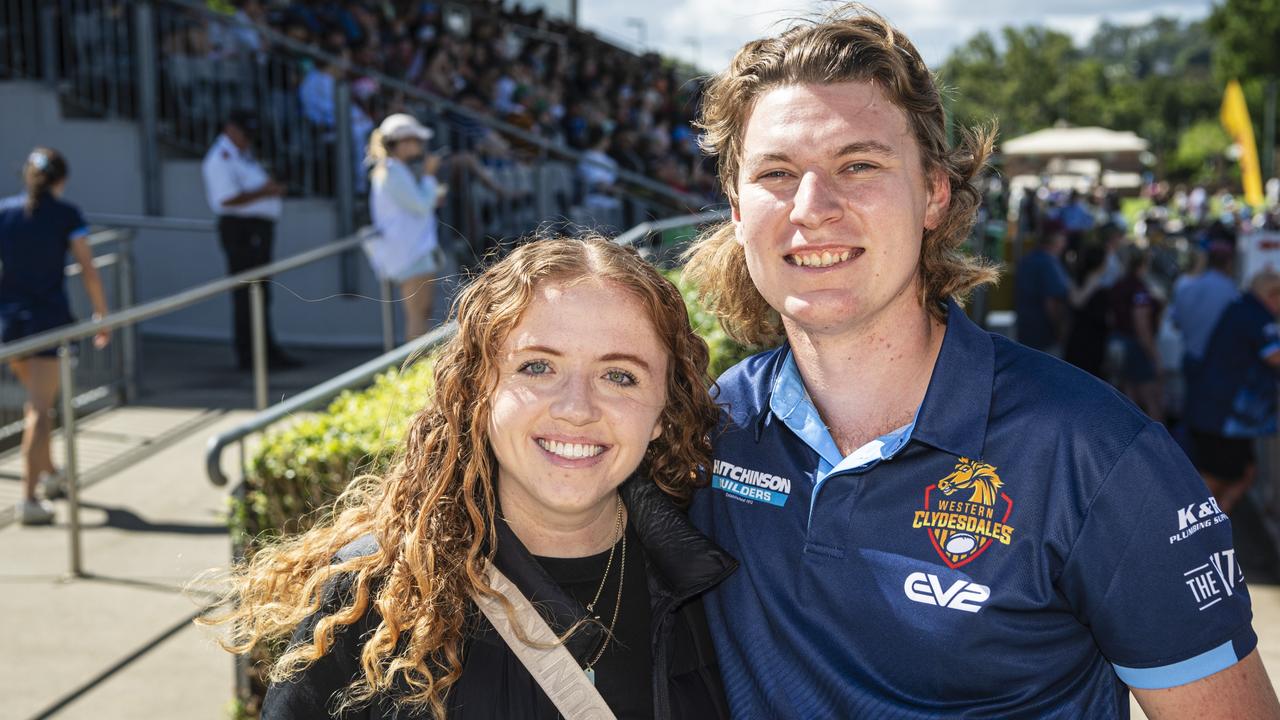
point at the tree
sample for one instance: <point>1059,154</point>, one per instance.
<point>1200,154</point>
<point>1154,79</point>
<point>1248,49</point>
<point>1248,39</point>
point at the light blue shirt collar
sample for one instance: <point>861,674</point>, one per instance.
<point>790,403</point>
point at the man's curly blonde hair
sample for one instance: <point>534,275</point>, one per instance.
<point>850,44</point>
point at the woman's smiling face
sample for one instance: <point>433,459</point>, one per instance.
<point>580,390</point>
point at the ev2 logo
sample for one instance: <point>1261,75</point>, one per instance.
<point>962,595</point>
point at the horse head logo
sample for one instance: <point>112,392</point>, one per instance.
<point>979,477</point>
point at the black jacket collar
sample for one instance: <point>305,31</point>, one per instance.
<point>682,562</point>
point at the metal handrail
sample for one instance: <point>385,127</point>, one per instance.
<point>645,228</point>
<point>318,396</point>
<point>330,389</point>
<point>177,301</point>
<point>151,222</point>
<point>417,93</point>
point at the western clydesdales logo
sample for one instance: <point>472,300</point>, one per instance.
<point>961,530</point>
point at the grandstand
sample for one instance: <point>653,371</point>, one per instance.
<point>134,93</point>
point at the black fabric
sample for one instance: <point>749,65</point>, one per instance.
<point>1225,458</point>
<point>247,244</point>
<point>681,565</point>
<point>624,673</point>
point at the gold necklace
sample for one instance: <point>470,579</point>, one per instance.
<point>617,605</point>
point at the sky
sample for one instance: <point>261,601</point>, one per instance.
<point>708,32</point>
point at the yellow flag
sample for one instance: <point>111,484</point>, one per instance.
<point>1235,118</point>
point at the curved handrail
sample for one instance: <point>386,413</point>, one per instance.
<point>639,231</point>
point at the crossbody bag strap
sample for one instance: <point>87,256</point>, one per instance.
<point>549,662</point>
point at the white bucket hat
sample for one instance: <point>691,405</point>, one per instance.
<point>401,125</point>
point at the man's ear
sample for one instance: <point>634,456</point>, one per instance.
<point>735,216</point>
<point>939,199</point>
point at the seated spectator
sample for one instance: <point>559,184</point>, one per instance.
<point>598,173</point>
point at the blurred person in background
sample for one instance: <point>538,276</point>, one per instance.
<point>1135,315</point>
<point>248,205</point>
<point>1086,345</point>
<point>403,204</point>
<point>1233,401</point>
<point>568,428</point>
<point>1041,294</point>
<point>598,172</point>
<point>1198,303</point>
<point>37,231</point>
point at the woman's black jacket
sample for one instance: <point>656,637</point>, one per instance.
<point>682,564</point>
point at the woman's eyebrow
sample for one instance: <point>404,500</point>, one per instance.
<point>626,357</point>
<point>540,349</point>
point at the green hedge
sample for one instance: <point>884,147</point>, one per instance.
<point>304,465</point>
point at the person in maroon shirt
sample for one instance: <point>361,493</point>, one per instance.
<point>1135,315</point>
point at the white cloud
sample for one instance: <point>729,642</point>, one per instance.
<point>715,29</point>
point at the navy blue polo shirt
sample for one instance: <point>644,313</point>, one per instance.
<point>1233,390</point>
<point>33,254</point>
<point>1026,546</point>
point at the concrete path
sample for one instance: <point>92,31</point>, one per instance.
<point>120,643</point>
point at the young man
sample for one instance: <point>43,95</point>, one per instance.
<point>931,520</point>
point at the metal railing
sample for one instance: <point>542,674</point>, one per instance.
<point>178,68</point>
<point>66,338</point>
<point>325,392</point>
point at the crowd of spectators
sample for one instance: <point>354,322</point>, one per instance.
<point>1163,305</point>
<point>544,76</point>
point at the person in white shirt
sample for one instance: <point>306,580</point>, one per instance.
<point>406,249</point>
<point>247,203</point>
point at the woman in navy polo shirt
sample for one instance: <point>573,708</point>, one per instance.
<point>37,229</point>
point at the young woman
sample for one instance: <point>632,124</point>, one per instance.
<point>570,422</point>
<point>403,206</point>
<point>37,229</point>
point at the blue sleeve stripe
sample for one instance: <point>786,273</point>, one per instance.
<point>1270,349</point>
<point>79,232</point>
<point>1180,673</point>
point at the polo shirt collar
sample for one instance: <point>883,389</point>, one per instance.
<point>953,416</point>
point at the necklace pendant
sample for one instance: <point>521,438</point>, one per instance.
<point>591,675</point>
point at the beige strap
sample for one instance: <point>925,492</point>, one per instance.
<point>555,669</point>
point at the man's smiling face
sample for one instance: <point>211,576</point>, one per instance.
<point>832,206</point>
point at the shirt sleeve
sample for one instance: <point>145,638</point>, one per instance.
<point>77,226</point>
<point>1153,572</point>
